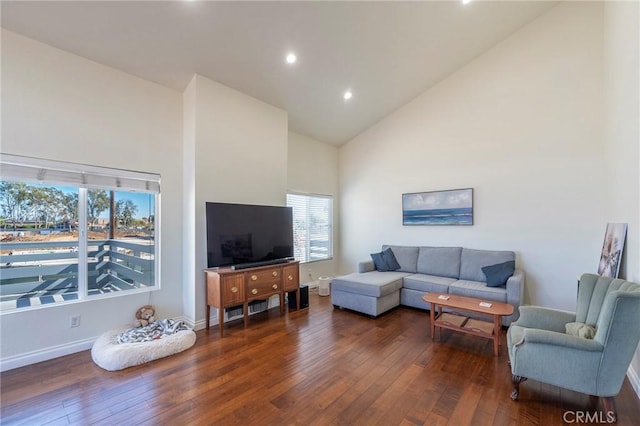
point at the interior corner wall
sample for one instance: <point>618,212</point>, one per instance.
<point>59,106</point>
<point>189,274</point>
<point>622,134</point>
<point>239,156</point>
<point>313,169</point>
<point>521,125</point>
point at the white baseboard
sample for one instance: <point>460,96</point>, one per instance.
<point>186,320</point>
<point>16,361</point>
<point>635,380</point>
<point>28,358</point>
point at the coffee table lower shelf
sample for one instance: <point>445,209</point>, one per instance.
<point>466,324</point>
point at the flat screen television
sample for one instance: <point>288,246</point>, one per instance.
<point>245,235</point>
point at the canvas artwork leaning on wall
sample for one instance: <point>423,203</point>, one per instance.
<point>612,248</point>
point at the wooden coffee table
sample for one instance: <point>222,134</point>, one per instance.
<point>459,322</point>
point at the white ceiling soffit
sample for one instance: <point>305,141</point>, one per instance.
<point>387,53</point>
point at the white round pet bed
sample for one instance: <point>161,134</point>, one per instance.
<point>112,352</point>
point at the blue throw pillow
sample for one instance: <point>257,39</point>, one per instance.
<point>497,275</point>
<point>378,260</point>
<point>390,260</point>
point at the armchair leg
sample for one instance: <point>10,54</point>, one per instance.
<point>610,409</point>
<point>593,402</point>
<point>516,380</point>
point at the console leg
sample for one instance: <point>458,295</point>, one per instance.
<point>593,402</point>
<point>207,317</point>
<point>221,319</point>
<point>516,380</point>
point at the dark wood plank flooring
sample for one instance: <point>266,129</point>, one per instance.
<point>317,366</point>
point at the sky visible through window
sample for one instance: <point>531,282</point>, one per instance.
<point>144,201</point>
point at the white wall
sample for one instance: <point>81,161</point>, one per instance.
<point>240,156</point>
<point>59,106</point>
<point>522,125</point>
<point>621,134</point>
<point>313,169</point>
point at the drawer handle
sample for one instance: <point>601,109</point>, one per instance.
<point>254,277</point>
<point>234,289</point>
<point>254,291</point>
<point>275,286</point>
<point>290,277</point>
<point>274,273</point>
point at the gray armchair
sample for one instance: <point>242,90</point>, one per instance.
<point>540,349</point>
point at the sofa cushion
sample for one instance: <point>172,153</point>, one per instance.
<point>407,257</point>
<point>374,284</point>
<point>497,275</point>
<point>472,261</point>
<point>428,283</point>
<point>385,261</point>
<point>390,260</point>
<point>479,290</point>
<point>439,261</point>
<point>379,261</point>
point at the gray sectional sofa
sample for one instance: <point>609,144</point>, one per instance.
<point>452,270</point>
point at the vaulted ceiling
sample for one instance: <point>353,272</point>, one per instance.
<point>386,53</point>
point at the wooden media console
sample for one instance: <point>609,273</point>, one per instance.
<point>228,287</point>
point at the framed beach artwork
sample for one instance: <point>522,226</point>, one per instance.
<point>450,207</point>
<point>612,248</point>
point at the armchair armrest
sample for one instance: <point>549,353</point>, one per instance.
<point>366,266</point>
<point>546,337</point>
<point>544,318</point>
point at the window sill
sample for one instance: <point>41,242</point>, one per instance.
<point>316,261</point>
<point>35,303</point>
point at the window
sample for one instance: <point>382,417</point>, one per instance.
<point>312,226</point>
<point>74,232</point>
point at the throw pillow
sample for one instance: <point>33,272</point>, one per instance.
<point>378,260</point>
<point>497,275</point>
<point>579,329</point>
<point>390,260</point>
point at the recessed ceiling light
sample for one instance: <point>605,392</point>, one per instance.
<point>347,95</point>
<point>291,58</point>
<point>466,1</point>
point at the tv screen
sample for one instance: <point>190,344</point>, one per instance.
<point>244,234</point>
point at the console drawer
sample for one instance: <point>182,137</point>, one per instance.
<point>290,275</point>
<point>257,289</point>
<point>233,289</point>
<point>270,275</point>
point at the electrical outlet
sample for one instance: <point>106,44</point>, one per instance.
<point>74,321</point>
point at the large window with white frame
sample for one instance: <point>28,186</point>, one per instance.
<point>312,226</point>
<point>75,232</point>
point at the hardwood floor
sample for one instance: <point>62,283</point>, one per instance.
<point>317,366</point>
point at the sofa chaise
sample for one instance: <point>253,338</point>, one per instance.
<point>447,270</point>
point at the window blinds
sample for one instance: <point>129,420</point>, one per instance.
<point>312,226</point>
